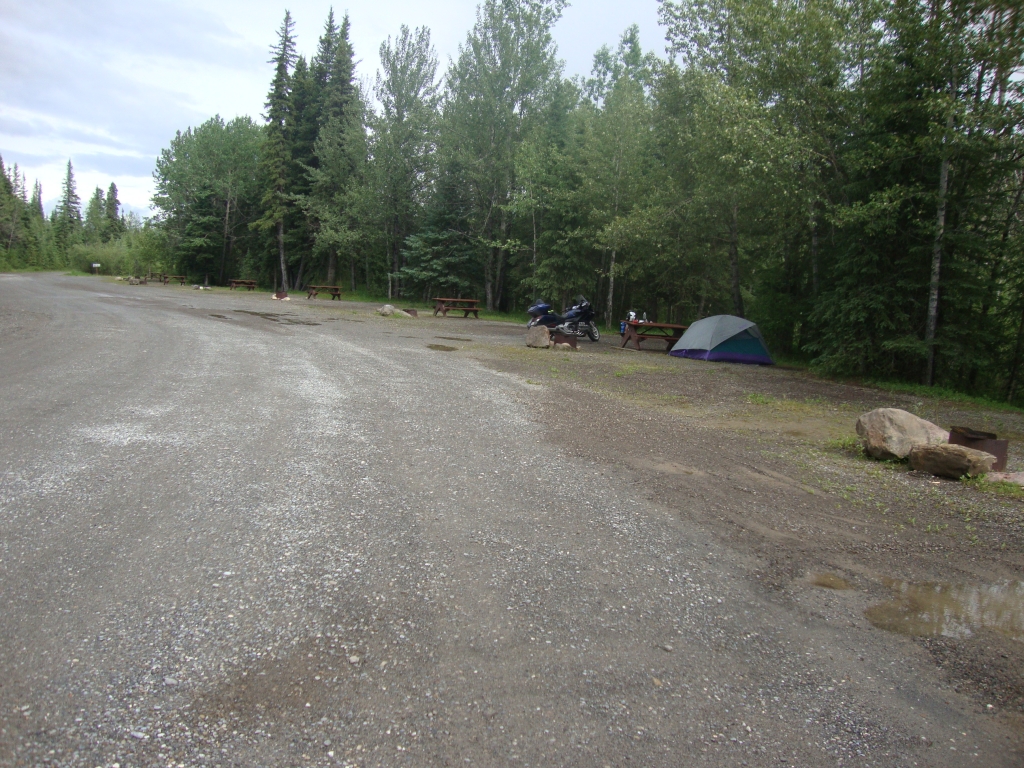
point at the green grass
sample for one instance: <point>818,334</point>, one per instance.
<point>998,487</point>
<point>847,444</point>
<point>941,393</point>
<point>756,398</point>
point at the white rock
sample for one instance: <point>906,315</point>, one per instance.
<point>891,433</point>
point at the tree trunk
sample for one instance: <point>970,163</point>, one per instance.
<point>734,262</point>
<point>488,284</point>
<point>280,252</point>
<point>609,313</point>
<point>814,251</point>
<point>352,267</point>
<point>227,247</point>
<point>533,216</point>
<point>1011,384</point>
<point>332,265</point>
<point>933,285</point>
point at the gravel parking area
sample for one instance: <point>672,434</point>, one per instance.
<point>237,532</point>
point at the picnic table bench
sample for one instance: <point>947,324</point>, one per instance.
<point>313,290</point>
<point>180,278</point>
<point>444,306</point>
<point>247,284</point>
<point>637,332</point>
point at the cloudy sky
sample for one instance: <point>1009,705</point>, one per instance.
<point>107,83</point>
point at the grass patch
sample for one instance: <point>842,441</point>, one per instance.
<point>848,444</point>
<point>996,487</point>
<point>634,368</point>
<point>941,393</point>
<point>756,398</point>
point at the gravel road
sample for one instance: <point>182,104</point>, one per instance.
<point>239,532</point>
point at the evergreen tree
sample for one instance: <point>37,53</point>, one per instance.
<point>67,216</point>
<point>95,218</point>
<point>340,152</point>
<point>37,200</point>
<point>113,224</point>
<point>276,161</point>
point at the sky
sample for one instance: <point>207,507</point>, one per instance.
<point>107,83</point>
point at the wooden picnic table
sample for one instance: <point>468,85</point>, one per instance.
<point>180,278</point>
<point>247,284</point>
<point>444,306</point>
<point>313,290</point>
<point>638,332</point>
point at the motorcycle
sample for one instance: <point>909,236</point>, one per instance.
<point>578,320</point>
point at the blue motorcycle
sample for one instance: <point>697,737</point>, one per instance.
<point>578,320</point>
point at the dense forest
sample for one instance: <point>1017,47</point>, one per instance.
<point>847,173</point>
<point>70,238</point>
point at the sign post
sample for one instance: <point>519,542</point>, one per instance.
<point>95,269</point>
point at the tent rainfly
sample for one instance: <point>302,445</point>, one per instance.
<point>724,337</point>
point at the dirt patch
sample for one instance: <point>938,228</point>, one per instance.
<point>441,348</point>
<point>277,318</point>
<point>773,458</point>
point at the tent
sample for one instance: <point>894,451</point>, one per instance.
<point>724,337</point>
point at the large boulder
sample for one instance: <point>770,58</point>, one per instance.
<point>386,311</point>
<point>953,461</point>
<point>890,433</point>
<point>538,336</point>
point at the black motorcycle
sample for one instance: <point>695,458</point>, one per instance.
<point>578,320</point>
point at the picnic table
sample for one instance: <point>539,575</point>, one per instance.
<point>180,278</point>
<point>247,284</point>
<point>313,290</point>
<point>444,306</point>
<point>638,332</point>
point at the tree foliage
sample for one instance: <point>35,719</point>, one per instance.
<point>847,173</point>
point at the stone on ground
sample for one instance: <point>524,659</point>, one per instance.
<point>891,433</point>
<point>538,336</point>
<point>386,311</point>
<point>953,461</point>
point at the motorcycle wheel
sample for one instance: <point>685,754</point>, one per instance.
<point>593,332</point>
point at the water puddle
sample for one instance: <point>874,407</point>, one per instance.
<point>951,610</point>
<point>276,318</point>
<point>452,338</point>
<point>830,581</point>
<point>441,347</point>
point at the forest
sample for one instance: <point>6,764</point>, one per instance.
<point>846,173</point>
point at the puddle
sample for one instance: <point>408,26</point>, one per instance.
<point>222,317</point>
<point>830,581</point>
<point>951,610</point>
<point>452,338</point>
<point>441,347</point>
<point>276,318</point>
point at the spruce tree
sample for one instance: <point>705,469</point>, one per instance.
<point>275,164</point>
<point>113,225</point>
<point>94,217</point>
<point>36,204</point>
<point>339,150</point>
<point>67,217</point>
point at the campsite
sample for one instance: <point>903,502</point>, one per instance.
<point>453,539</point>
